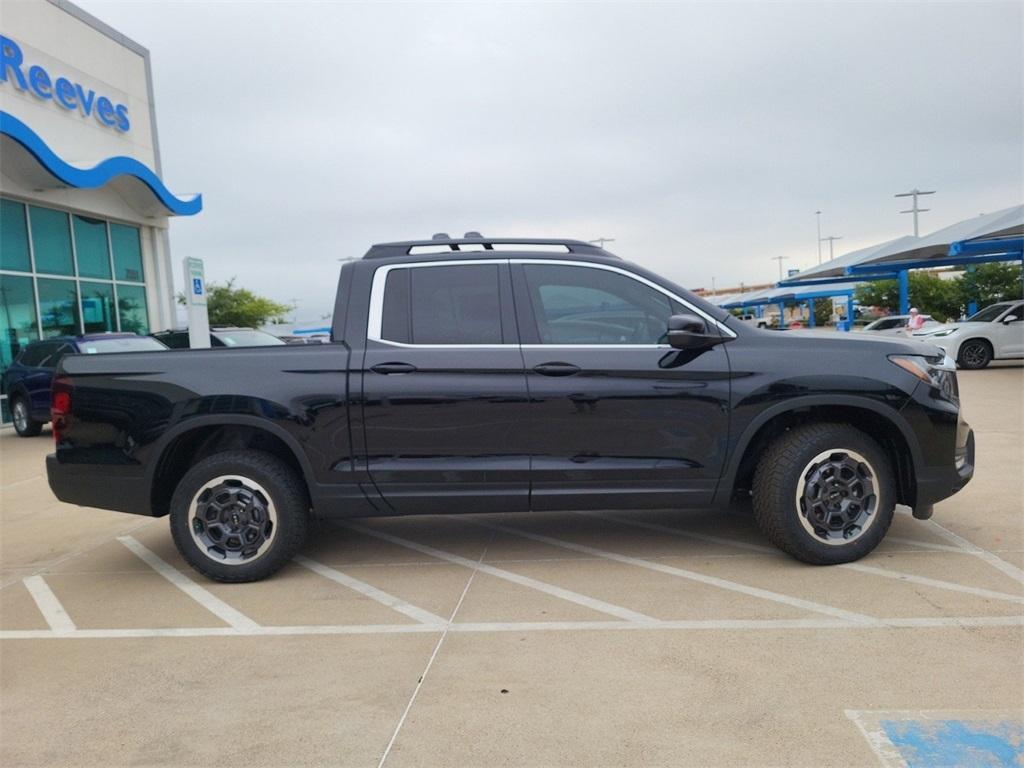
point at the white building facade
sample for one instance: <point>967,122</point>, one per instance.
<point>83,210</point>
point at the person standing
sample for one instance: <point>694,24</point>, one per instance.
<point>916,321</point>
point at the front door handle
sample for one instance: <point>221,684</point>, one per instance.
<point>387,368</point>
<point>556,369</point>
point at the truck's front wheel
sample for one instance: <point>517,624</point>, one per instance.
<point>824,493</point>
<point>239,515</point>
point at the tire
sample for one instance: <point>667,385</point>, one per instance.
<point>974,354</point>
<point>239,516</point>
<point>824,493</point>
<point>24,424</point>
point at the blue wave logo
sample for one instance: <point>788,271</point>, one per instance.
<point>100,174</point>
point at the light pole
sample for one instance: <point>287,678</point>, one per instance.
<point>915,193</point>
<point>600,241</point>
<point>831,239</point>
<point>712,286</point>
<point>780,260</point>
<point>817,215</point>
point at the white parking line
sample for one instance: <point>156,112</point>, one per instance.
<point>924,544</point>
<point>1009,569</point>
<point>49,566</point>
<point>688,534</point>
<point>714,581</point>
<point>515,578</point>
<point>860,567</point>
<point>395,603</point>
<point>21,482</point>
<point>936,583</point>
<point>49,605</point>
<point>208,600</point>
<point>886,752</point>
<point>767,625</point>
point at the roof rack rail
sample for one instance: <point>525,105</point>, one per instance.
<point>404,248</point>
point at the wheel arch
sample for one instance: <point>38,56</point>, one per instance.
<point>881,423</point>
<point>188,443</point>
<point>986,341</point>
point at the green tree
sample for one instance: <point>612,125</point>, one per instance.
<point>884,294</point>
<point>989,283</point>
<point>228,305</point>
<point>942,299</point>
<point>822,311</point>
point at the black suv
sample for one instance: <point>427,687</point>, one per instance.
<point>508,376</point>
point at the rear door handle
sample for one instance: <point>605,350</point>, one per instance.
<point>387,368</point>
<point>556,369</point>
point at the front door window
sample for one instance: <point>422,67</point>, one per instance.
<point>580,305</point>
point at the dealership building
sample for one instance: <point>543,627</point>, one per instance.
<point>83,209</point>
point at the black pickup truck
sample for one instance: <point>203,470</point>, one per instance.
<point>492,375</point>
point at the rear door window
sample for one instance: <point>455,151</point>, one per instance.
<point>447,305</point>
<point>34,354</point>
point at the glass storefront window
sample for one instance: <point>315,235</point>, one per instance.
<point>13,237</point>
<point>91,247</point>
<point>58,307</point>
<point>131,308</point>
<point>51,240</point>
<point>98,307</point>
<point>127,252</point>
<point>71,262</point>
<point>17,317</point>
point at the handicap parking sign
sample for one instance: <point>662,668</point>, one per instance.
<point>195,277</point>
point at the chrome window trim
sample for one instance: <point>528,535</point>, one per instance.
<point>375,320</point>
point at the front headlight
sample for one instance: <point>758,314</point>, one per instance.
<point>939,372</point>
<point>944,332</point>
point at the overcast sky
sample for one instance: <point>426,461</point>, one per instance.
<point>702,137</point>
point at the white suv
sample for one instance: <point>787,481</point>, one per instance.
<point>994,333</point>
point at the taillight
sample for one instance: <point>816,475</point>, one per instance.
<point>60,407</point>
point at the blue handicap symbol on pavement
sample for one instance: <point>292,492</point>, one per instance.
<point>935,743</point>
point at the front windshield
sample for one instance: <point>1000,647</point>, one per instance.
<point>121,344</point>
<point>988,314</point>
<point>247,337</point>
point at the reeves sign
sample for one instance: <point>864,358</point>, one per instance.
<point>67,94</point>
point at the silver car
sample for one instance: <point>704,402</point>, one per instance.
<point>896,325</point>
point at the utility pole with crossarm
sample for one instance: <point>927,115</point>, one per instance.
<point>915,193</point>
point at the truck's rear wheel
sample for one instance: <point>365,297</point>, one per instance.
<point>239,515</point>
<point>824,493</point>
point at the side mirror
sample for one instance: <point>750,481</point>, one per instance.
<point>1010,319</point>
<point>690,332</point>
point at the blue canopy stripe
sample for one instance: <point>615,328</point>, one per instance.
<point>100,174</point>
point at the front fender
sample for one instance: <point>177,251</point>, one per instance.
<point>750,429</point>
